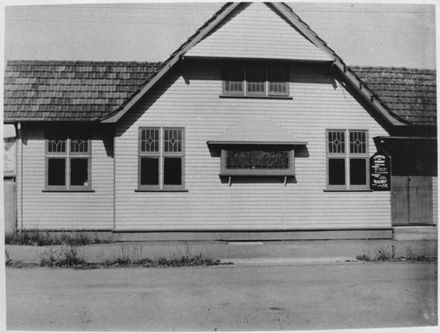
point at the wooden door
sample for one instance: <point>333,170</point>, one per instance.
<point>411,200</point>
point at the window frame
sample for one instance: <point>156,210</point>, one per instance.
<point>142,154</point>
<point>347,155</point>
<point>68,155</point>
<point>245,83</point>
<point>161,155</point>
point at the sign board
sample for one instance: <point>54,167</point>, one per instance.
<point>9,157</point>
<point>380,172</point>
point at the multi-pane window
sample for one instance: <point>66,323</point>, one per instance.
<point>161,158</point>
<point>347,159</point>
<point>256,80</point>
<point>67,161</point>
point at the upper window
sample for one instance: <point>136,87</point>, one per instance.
<point>256,80</point>
<point>68,161</point>
<point>161,158</point>
<point>347,159</point>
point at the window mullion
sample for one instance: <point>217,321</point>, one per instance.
<point>347,159</point>
<point>68,163</point>
<point>245,86</point>
<point>266,85</point>
<point>161,153</point>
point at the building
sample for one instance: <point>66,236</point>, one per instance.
<point>246,131</point>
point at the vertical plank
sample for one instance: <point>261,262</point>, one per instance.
<point>10,206</point>
<point>399,200</point>
<point>420,203</point>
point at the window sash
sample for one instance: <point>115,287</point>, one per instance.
<point>167,149</point>
<point>346,153</point>
<point>278,78</point>
<point>68,154</point>
<point>257,80</point>
<point>149,141</point>
<point>233,83</point>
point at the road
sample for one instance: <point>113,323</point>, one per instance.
<point>271,297</point>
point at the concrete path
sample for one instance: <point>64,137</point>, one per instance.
<point>262,297</point>
<point>238,250</point>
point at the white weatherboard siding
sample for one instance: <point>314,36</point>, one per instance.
<point>192,101</point>
<point>257,32</point>
<point>65,210</point>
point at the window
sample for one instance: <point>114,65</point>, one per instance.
<point>161,158</point>
<point>257,161</point>
<point>256,80</point>
<point>347,159</point>
<point>67,161</point>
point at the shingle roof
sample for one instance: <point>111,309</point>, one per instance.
<point>90,90</point>
<point>408,93</point>
<point>70,90</point>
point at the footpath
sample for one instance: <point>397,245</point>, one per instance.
<point>242,253</point>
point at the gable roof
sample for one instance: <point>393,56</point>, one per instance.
<point>240,36</point>
<point>70,90</point>
<point>408,93</point>
<point>54,90</point>
<point>295,21</point>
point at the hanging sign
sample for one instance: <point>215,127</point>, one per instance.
<point>380,172</point>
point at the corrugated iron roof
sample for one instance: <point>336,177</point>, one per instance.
<point>408,93</point>
<point>70,90</point>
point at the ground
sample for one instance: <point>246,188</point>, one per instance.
<point>238,297</point>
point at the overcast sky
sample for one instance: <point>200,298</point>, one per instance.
<point>362,34</point>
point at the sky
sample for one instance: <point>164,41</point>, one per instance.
<point>401,35</point>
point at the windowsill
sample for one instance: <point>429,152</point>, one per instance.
<point>341,190</point>
<point>76,190</point>
<point>242,174</point>
<point>256,97</point>
<point>160,190</point>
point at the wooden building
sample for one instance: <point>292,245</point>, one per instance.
<point>246,131</point>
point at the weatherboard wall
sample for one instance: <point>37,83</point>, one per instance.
<point>64,210</point>
<point>256,31</point>
<point>192,100</point>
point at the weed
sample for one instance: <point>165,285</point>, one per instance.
<point>67,256</point>
<point>382,256</point>
<point>364,257</point>
<point>8,260</point>
<point>39,238</point>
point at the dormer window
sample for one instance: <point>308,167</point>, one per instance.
<point>256,80</point>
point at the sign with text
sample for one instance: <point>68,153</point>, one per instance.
<point>380,172</point>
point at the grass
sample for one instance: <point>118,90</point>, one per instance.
<point>67,257</point>
<point>39,238</point>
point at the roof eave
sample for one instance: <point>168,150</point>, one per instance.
<point>354,81</point>
<point>304,29</point>
<point>175,57</point>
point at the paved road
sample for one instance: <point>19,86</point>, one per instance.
<point>223,298</point>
